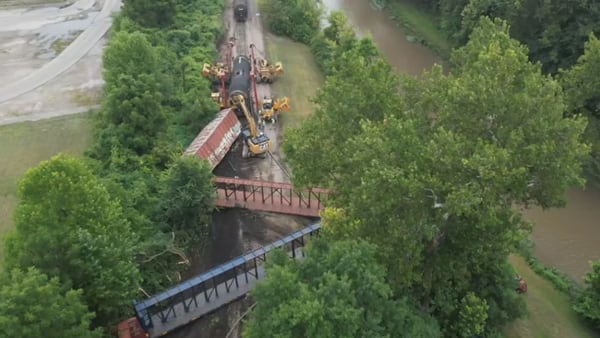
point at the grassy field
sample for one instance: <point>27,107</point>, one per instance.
<point>300,80</point>
<point>550,313</point>
<point>421,24</point>
<point>24,145</point>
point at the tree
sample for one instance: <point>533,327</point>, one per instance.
<point>296,19</point>
<point>588,304</point>
<point>188,199</point>
<point>362,86</point>
<point>151,13</point>
<point>555,30</point>
<point>34,306</point>
<point>434,180</point>
<point>338,38</point>
<point>132,116</point>
<point>339,290</point>
<point>582,92</point>
<point>67,226</point>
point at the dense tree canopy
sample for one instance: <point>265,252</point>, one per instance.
<point>187,199</point>
<point>151,13</point>
<point>339,290</point>
<point>132,116</point>
<point>67,226</point>
<point>553,30</point>
<point>31,305</point>
<point>432,178</point>
<point>582,92</point>
<point>297,19</point>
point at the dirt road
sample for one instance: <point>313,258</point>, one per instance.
<point>36,46</point>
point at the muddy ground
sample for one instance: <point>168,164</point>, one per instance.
<point>31,37</point>
<point>238,231</point>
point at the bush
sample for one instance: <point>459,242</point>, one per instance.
<point>297,19</point>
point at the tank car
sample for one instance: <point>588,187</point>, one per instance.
<point>240,10</point>
<point>240,81</point>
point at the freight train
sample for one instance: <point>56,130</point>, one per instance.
<point>241,83</point>
<point>240,10</point>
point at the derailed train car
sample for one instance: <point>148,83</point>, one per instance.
<point>240,10</point>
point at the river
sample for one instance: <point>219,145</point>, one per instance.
<point>564,238</point>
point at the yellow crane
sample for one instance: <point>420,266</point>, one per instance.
<point>255,143</point>
<point>270,110</point>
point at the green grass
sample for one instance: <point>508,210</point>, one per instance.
<point>300,80</point>
<point>422,24</point>
<point>550,314</point>
<point>24,145</point>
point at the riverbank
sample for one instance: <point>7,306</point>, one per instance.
<point>549,310</point>
<point>24,145</point>
<point>420,24</point>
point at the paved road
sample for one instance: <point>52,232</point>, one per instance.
<point>75,51</point>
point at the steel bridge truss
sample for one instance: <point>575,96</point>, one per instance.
<point>269,196</point>
<point>209,291</point>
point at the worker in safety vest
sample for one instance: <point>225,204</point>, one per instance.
<point>522,288</point>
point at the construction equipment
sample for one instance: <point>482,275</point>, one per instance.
<point>255,143</point>
<point>270,110</point>
<point>220,76</point>
<point>215,72</point>
<point>267,72</point>
<point>264,71</point>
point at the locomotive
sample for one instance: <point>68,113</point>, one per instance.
<point>241,82</point>
<point>240,10</point>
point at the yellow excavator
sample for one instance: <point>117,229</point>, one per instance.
<point>270,110</point>
<point>214,72</point>
<point>255,143</point>
<point>267,72</point>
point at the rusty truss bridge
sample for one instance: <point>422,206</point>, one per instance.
<point>269,196</point>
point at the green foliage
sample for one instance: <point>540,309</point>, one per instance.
<point>431,175</point>
<point>31,305</point>
<point>67,226</point>
<point>131,116</point>
<point>343,101</point>
<point>296,19</point>
<point>582,92</point>
<point>555,30</point>
<point>334,40</point>
<point>588,305</point>
<point>339,290</point>
<point>187,199</point>
<point>151,13</point>
<point>156,102</point>
<point>471,317</point>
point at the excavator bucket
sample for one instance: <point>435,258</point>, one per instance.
<point>282,104</point>
<point>278,68</point>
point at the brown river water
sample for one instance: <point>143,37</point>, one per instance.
<point>564,238</point>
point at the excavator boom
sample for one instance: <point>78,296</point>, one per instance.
<point>256,143</point>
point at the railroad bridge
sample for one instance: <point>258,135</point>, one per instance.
<point>269,196</point>
<point>201,295</point>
